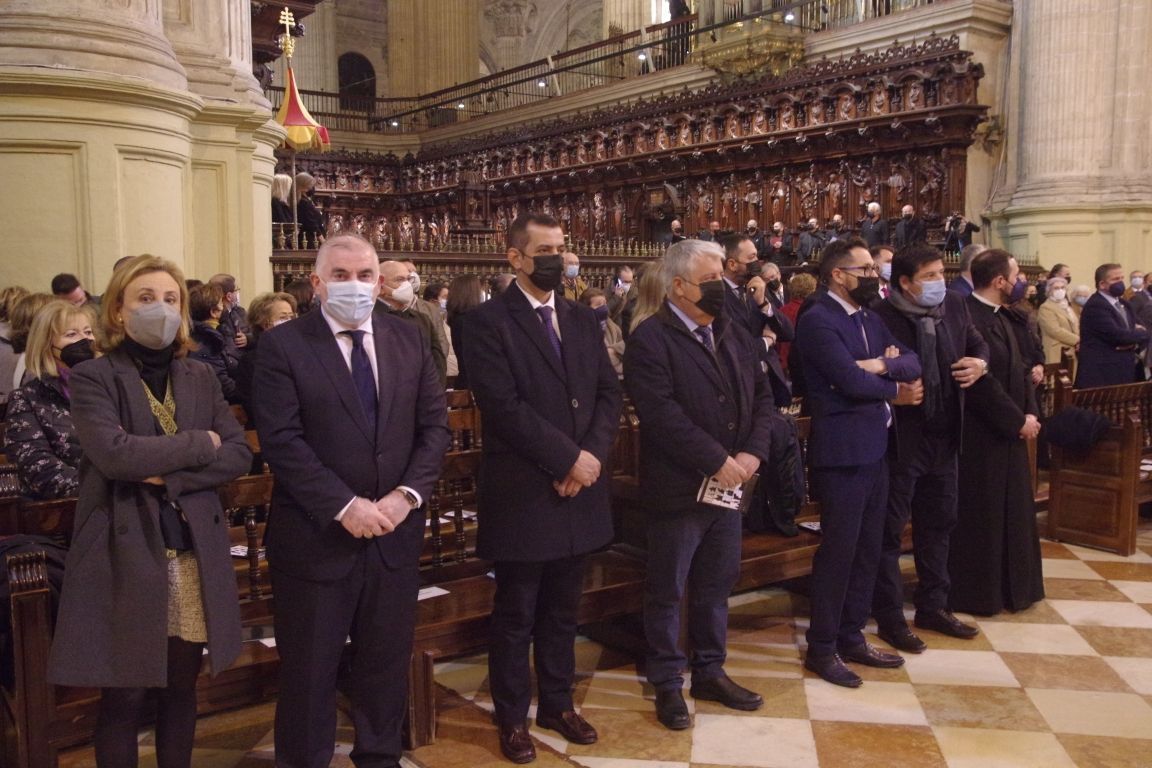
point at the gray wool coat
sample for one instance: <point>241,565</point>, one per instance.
<point>112,624</point>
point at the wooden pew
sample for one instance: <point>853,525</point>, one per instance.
<point>1094,497</point>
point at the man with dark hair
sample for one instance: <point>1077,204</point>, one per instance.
<point>712,234</point>
<point>855,370</point>
<point>924,316</point>
<point>499,283</point>
<point>550,399</point>
<point>1111,338</point>
<point>234,322</point>
<point>882,258</point>
<point>994,553</point>
<point>68,288</point>
<point>962,284</point>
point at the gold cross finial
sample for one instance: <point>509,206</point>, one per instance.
<point>287,43</point>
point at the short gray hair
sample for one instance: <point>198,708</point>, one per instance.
<point>969,252</point>
<point>681,256</point>
<point>873,207</point>
<point>347,241</point>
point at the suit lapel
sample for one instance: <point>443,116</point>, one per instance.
<point>184,392</point>
<point>327,350</point>
<point>523,314</point>
<point>128,376</point>
<point>386,374</point>
<point>570,338</point>
<point>686,339</point>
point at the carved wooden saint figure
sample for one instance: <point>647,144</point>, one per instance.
<point>708,133</point>
<point>618,212</point>
<point>915,97</point>
<point>685,134</point>
<point>786,120</point>
<point>599,215</point>
<point>732,126</point>
<point>880,100</point>
<point>661,138</point>
<point>816,112</point>
<point>759,122</point>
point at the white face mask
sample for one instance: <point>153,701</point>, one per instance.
<point>443,303</point>
<point>350,302</point>
<point>414,279</point>
<point>1137,283</point>
<point>1058,294</point>
<point>404,294</point>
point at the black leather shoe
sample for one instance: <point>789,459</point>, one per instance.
<point>868,655</point>
<point>728,693</point>
<point>902,639</point>
<point>516,744</point>
<point>942,621</point>
<point>569,725</point>
<point>671,710</point>
<point>832,669</point>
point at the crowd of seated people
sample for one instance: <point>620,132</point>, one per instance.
<point>159,327</point>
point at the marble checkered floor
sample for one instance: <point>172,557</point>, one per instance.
<point>1066,683</point>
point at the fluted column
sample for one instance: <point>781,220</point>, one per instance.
<point>626,15</point>
<point>316,57</point>
<point>208,38</point>
<point>511,22</point>
<point>452,40</point>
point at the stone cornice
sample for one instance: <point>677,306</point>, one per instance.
<point>44,83</point>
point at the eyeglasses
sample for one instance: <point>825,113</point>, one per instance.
<point>867,269</point>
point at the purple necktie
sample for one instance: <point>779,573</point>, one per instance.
<point>705,334</point>
<point>550,330</point>
<point>362,375</point>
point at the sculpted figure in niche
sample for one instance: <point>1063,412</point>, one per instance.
<point>473,202</point>
<point>421,234</point>
<point>787,118</point>
<point>530,164</point>
<point>933,173</point>
<point>406,233</point>
<point>433,233</point>
<point>661,138</point>
<point>618,212</point>
<point>948,91</point>
<point>546,161</point>
<point>582,216</point>
<point>600,151</point>
<point>732,126</point>
<point>809,191</point>
<point>816,112</point>
<point>915,97</point>
<point>599,215</point>
<point>548,207</point>
<point>581,153</point>
<point>641,142</point>
<point>753,199</point>
<point>383,234</point>
<point>781,194</point>
<point>501,219</point>
<point>335,224</point>
<point>685,134</point>
<point>566,215</point>
<point>708,133</point>
<point>835,191</point>
<point>445,226</point>
<point>880,100</point>
<point>759,122</point>
<point>621,148</point>
<point>727,198</point>
<point>358,223</point>
<point>863,177</point>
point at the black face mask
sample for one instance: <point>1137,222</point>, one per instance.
<point>711,300</point>
<point>907,217</point>
<point>77,352</point>
<point>773,285</point>
<point>867,289</point>
<point>547,271</point>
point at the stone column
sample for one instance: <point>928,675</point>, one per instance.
<point>451,32</point>
<point>626,15</point>
<point>209,38</point>
<point>511,21</point>
<point>315,61</point>
<point>1079,181</point>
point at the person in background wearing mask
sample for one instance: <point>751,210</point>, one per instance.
<point>1079,297</point>
<point>436,296</point>
<point>205,308</point>
<point>1062,271</point>
<point>855,371</point>
<point>773,286</point>
<point>573,285</point>
<point>1135,284</point>
<point>464,294</point>
<point>752,230</point>
<point>149,588</point>
<point>597,301</point>
<point>352,421</point>
<point>994,556</point>
<point>910,229</point>
<point>711,234</point>
<point>677,230</point>
<point>1059,325</point>
<point>836,228</point>
<point>40,438</point>
<point>958,232</point>
<point>233,325</point>
<point>1111,337</point>
<point>873,229</point>
<point>550,402</point>
<point>398,297</point>
<point>882,258</point>
<point>812,241</point>
<point>779,246</point>
<point>621,285</point>
<point>267,311</point>
<point>704,412</point>
<point>922,485</point>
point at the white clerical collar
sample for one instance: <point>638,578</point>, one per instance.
<point>986,302</point>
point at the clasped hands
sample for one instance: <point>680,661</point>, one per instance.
<point>365,518</point>
<point>583,474</point>
<point>737,470</point>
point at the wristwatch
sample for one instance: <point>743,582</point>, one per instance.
<point>409,497</point>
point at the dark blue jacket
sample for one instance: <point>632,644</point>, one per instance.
<point>1108,345</point>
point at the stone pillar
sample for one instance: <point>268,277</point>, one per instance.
<point>213,41</point>
<point>317,54</point>
<point>511,22</point>
<point>451,31</point>
<point>1079,178</point>
<point>626,15</point>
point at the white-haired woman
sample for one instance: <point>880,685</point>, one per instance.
<point>1059,326</point>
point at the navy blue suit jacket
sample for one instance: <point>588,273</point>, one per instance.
<point>746,313</point>
<point>539,412</point>
<point>319,445</point>
<point>960,286</point>
<point>1108,346</point>
<point>847,404</point>
<point>695,410</point>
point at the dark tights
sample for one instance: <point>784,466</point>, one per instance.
<point>121,709</point>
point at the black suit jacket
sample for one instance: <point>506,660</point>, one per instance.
<point>1108,345</point>
<point>965,341</point>
<point>695,410</point>
<point>539,412</point>
<point>909,231</point>
<point>323,452</point>
<point>744,312</point>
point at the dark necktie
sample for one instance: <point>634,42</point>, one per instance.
<point>858,318</point>
<point>550,330</point>
<point>705,334</point>
<point>362,375</point>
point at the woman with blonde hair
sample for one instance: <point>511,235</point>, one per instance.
<point>20,318</point>
<point>148,583</point>
<point>649,293</point>
<point>281,199</point>
<point>40,437</point>
<point>308,217</point>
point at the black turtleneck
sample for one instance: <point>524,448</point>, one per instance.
<point>152,363</point>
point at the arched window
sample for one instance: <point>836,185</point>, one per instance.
<point>357,83</point>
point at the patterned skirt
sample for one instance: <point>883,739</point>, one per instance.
<point>185,602</point>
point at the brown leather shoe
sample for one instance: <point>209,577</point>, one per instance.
<point>516,744</point>
<point>569,725</point>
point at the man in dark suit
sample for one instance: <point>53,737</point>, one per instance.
<point>551,401</point>
<point>855,371</point>
<point>1110,335</point>
<point>704,409</point>
<point>910,229</point>
<point>352,422</point>
<point>234,322</point>
<point>873,228</point>
<point>923,315</point>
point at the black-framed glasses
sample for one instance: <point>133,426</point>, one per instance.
<point>865,269</point>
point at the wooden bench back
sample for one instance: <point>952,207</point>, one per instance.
<point>1116,403</point>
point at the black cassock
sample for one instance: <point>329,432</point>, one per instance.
<point>994,560</point>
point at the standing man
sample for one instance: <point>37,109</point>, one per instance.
<point>352,422</point>
<point>910,229</point>
<point>574,285</point>
<point>882,258</point>
<point>704,412</point>
<point>1110,336</point>
<point>855,371</point>
<point>812,240</point>
<point>752,229</point>
<point>234,321</point>
<point>712,234</point>
<point>398,298</point>
<point>923,315</point>
<point>677,230</point>
<point>873,229</point>
<point>962,284</point>
<point>551,401</point>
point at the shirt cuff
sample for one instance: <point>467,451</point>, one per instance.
<point>412,491</point>
<point>767,308</point>
<point>340,515</point>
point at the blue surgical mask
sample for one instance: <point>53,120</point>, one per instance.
<point>932,293</point>
<point>886,271</point>
<point>1081,300</point>
<point>350,302</point>
<point>571,271</point>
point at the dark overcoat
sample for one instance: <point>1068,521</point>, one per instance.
<point>112,628</point>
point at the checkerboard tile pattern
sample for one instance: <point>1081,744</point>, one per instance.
<point>1066,683</point>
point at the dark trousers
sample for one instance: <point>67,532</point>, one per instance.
<point>853,504</point>
<point>118,722</point>
<point>697,548</point>
<point>535,604</point>
<point>923,490</point>
<point>376,607</point>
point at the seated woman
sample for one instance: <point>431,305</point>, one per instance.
<point>613,336</point>
<point>149,584</point>
<point>205,306</point>
<point>266,311</point>
<point>20,318</point>
<point>40,437</point>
